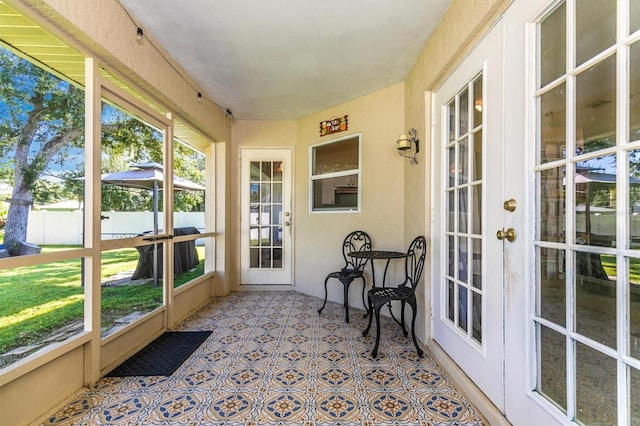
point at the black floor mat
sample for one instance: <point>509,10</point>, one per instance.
<point>163,356</point>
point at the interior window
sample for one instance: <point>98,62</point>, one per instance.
<point>335,175</point>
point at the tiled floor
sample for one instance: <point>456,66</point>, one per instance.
<point>273,360</point>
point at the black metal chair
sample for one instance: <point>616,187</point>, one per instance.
<point>404,293</point>
<point>353,268</point>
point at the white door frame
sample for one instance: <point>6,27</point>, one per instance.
<point>276,278</point>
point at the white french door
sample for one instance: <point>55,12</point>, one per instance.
<point>266,218</point>
<point>550,331</point>
<point>468,289</point>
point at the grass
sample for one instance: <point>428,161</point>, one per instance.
<point>37,301</point>
<point>609,265</point>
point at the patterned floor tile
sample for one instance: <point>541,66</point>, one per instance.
<point>273,360</point>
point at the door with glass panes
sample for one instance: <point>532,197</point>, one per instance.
<point>468,283</point>
<point>586,243</point>
<point>266,219</point>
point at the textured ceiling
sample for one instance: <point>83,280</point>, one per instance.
<point>284,59</point>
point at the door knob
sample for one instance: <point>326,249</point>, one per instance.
<point>287,223</point>
<point>509,235</point>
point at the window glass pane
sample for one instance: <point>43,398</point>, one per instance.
<point>463,161</point>
<point>41,195</point>
<point>462,307</point>
<point>634,16</point>
<point>633,274</point>
<point>451,110</point>
<point>552,205</point>
<point>551,287</point>
<point>451,199</point>
<point>596,402</point>
<point>476,209</point>
<point>476,310</point>
<point>463,209</point>
<point>553,139</point>
<point>476,263</point>
<point>595,195</point>
<point>451,300</point>
<point>451,270</point>
<point>595,27</point>
<point>451,161</point>
<point>634,91</point>
<point>596,296</point>
<point>336,157</point>
<point>552,381</point>
<point>254,171</point>
<point>40,305</point>
<point>463,117</point>
<point>462,259</point>
<point>478,102</point>
<point>188,262</point>
<point>188,212</point>
<point>133,175</point>
<point>596,106</point>
<point>476,156</point>
<point>126,295</point>
<point>553,45</point>
<point>634,198</point>
<point>339,193</point>
<point>635,395</point>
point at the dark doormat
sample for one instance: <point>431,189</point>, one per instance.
<point>163,356</point>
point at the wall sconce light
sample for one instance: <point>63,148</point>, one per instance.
<point>409,146</point>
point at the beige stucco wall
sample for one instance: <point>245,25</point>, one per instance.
<point>318,237</point>
<point>379,118</point>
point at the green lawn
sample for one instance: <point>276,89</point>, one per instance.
<point>37,301</point>
<point>609,264</point>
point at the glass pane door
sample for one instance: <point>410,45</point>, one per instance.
<point>266,223</point>
<point>587,237</point>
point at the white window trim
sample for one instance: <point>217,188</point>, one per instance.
<point>354,172</point>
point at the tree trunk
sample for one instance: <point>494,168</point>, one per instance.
<point>15,230</point>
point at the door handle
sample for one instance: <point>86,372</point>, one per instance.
<point>287,223</point>
<point>509,235</point>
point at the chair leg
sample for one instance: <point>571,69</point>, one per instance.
<point>370,312</point>
<point>374,353</point>
<point>364,303</point>
<point>346,300</point>
<point>413,330</point>
<point>404,329</point>
<point>325,296</point>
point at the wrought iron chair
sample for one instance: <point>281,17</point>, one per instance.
<point>353,268</point>
<point>404,293</point>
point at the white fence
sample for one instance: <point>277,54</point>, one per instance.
<point>50,227</point>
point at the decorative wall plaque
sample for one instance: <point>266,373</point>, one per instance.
<point>334,125</point>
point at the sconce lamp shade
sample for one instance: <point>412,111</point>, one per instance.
<point>405,144</point>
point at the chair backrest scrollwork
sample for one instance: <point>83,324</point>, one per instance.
<point>355,241</point>
<point>414,262</point>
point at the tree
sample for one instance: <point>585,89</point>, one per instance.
<point>41,118</point>
<point>42,125</point>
